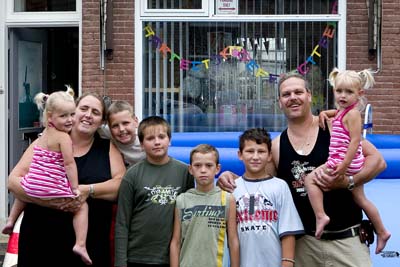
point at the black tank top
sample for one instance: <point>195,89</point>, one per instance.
<point>339,204</point>
<point>94,167</point>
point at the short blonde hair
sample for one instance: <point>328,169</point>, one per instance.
<point>119,106</point>
<point>205,149</point>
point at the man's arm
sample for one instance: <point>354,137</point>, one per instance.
<point>275,152</point>
<point>226,181</point>
<point>373,165</point>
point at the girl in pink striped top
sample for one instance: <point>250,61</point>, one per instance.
<point>52,172</point>
<point>345,153</point>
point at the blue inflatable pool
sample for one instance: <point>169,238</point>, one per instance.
<point>227,143</point>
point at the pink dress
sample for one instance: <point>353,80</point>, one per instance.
<point>47,177</point>
<point>340,140</point>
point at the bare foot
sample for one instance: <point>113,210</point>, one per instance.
<point>8,228</point>
<point>382,238</point>
<point>321,222</point>
<point>81,251</point>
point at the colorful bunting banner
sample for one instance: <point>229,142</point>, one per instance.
<point>240,53</point>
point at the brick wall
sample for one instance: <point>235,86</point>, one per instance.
<point>385,96</point>
<point>117,78</point>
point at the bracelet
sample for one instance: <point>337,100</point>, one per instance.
<point>91,191</point>
<point>289,260</point>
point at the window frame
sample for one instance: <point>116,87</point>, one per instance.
<point>145,11</point>
<point>46,19</point>
<point>37,19</point>
<point>140,20</point>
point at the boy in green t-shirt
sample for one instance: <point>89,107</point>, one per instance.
<point>146,199</point>
<point>205,218</point>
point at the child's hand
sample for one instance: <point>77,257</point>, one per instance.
<point>322,118</point>
<point>76,192</point>
<point>340,169</point>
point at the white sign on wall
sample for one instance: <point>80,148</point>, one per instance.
<point>227,7</point>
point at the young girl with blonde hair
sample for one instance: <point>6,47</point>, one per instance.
<point>53,173</point>
<point>345,153</point>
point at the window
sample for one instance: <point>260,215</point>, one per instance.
<point>174,4</point>
<point>222,75</point>
<point>44,5</point>
<point>172,8</point>
<point>38,66</point>
<point>287,7</point>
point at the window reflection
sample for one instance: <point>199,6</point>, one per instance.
<point>174,4</point>
<point>30,77</point>
<point>285,7</point>
<point>44,5</point>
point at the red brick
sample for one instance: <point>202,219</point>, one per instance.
<point>385,96</point>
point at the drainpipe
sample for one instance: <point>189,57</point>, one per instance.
<point>374,8</point>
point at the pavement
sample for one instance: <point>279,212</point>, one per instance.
<point>3,247</point>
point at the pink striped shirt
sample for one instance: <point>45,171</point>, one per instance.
<point>340,140</point>
<point>47,177</point>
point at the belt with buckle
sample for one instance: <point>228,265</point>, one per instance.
<point>333,235</point>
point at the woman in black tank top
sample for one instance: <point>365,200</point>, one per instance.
<point>46,234</point>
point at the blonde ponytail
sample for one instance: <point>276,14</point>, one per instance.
<point>367,79</point>
<point>40,100</point>
<point>70,91</point>
<point>48,103</point>
<point>332,76</point>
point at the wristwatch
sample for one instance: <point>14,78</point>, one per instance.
<point>350,186</point>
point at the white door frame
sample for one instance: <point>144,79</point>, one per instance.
<point>3,118</point>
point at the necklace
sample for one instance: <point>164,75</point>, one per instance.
<point>252,199</point>
<point>306,143</point>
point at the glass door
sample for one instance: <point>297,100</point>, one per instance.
<point>41,60</point>
<point>28,57</point>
